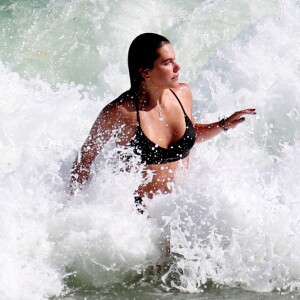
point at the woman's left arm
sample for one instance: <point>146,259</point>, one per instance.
<point>207,131</point>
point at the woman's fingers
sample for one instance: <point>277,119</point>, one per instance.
<point>248,111</point>
<point>237,117</point>
<point>238,114</point>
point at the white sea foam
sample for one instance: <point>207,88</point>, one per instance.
<point>233,218</point>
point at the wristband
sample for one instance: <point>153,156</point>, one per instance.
<point>222,124</point>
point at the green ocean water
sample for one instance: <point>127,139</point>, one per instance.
<point>152,294</point>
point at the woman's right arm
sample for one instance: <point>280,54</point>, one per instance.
<point>100,133</point>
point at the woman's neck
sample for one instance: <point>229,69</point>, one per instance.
<point>149,97</point>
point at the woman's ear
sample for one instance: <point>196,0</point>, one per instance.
<point>144,73</point>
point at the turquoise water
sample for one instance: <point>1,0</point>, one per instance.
<point>233,220</point>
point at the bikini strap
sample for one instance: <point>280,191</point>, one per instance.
<point>137,112</point>
<point>179,102</point>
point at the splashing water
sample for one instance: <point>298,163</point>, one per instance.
<point>233,217</point>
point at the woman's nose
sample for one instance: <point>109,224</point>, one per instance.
<point>176,67</point>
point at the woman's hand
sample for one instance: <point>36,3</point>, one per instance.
<point>236,118</point>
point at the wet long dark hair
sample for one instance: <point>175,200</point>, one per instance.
<point>142,54</point>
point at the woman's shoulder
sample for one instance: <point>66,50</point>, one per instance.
<point>184,92</point>
<point>119,112</point>
<point>125,102</point>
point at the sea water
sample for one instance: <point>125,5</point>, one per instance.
<point>232,223</point>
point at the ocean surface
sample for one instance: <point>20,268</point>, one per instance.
<point>233,220</point>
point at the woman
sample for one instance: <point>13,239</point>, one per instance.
<point>154,118</point>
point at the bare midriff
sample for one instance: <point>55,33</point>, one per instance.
<point>160,178</point>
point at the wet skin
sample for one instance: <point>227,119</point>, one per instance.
<point>155,100</point>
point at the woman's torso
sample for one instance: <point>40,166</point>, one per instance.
<point>161,144</point>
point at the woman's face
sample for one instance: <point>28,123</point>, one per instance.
<point>165,71</point>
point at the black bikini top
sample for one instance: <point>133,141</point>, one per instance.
<point>152,154</point>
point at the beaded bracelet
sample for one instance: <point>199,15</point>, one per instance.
<point>222,124</point>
